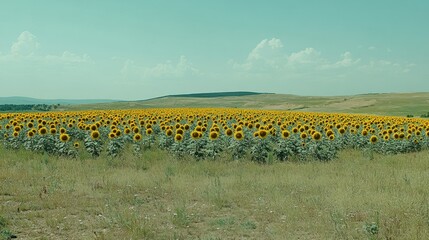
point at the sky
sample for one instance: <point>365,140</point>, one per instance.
<point>139,49</point>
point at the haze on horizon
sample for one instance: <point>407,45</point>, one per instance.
<point>143,49</point>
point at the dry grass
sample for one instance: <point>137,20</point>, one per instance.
<point>158,197</point>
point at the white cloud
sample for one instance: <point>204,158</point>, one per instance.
<point>269,56</point>
<point>266,48</point>
<point>69,57</point>
<point>25,45</point>
<point>25,49</point>
<point>306,56</point>
<point>182,68</point>
<point>383,65</point>
<point>346,61</point>
<point>169,69</point>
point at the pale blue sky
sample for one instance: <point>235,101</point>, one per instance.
<point>141,49</point>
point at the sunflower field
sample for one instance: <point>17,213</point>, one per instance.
<point>262,136</point>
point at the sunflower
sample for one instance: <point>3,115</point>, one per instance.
<point>228,132</point>
<point>179,131</point>
<point>53,131</point>
<point>30,125</point>
<point>303,135</point>
<point>263,134</point>
<point>178,137</point>
<point>64,137</point>
<point>137,137</point>
<point>118,133</point>
<point>15,134</point>
<point>136,130</point>
<point>285,134</point>
<point>76,144</point>
<point>214,135</point>
<point>386,137</point>
<point>30,134</point>
<point>95,134</point>
<point>316,136</point>
<point>373,139</point>
<point>342,130</point>
<point>256,134</point>
<point>43,131</point>
<point>93,127</point>
<point>195,134</point>
<point>149,131</point>
<point>239,135</point>
<point>17,128</point>
<point>127,130</point>
<point>112,135</point>
<point>62,130</point>
<point>396,136</point>
<point>169,132</point>
<point>332,137</point>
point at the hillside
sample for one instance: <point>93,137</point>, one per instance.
<point>400,104</point>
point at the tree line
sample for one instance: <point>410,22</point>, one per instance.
<point>27,107</point>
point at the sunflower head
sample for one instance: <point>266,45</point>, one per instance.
<point>285,134</point>
<point>179,131</point>
<point>263,134</point>
<point>239,135</point>
<point>136,130</point>
<point>118,133</point>
<point>373,139</point>
<point>195,134</point>
<point>64,137</point>
<point>30,134</point>
<point>178,137</point>
<point>228,132</point>
<point>169,132</point>
<point>43,131</point>
<point>214,135</point>
<point>95,134</point>
<point>112,135</point>
<point>316,136</point>
<point>137,137</point>
<point>76,144</point>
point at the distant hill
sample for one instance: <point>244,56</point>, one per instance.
<point>26,100</point>
<point>209,95</point>
<point>399,104</point>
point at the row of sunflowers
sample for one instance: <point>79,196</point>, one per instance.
<point>209,133</point>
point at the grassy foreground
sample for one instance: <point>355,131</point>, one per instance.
<point>158,197</point>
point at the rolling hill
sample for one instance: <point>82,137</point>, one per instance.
<point>399,104</point>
